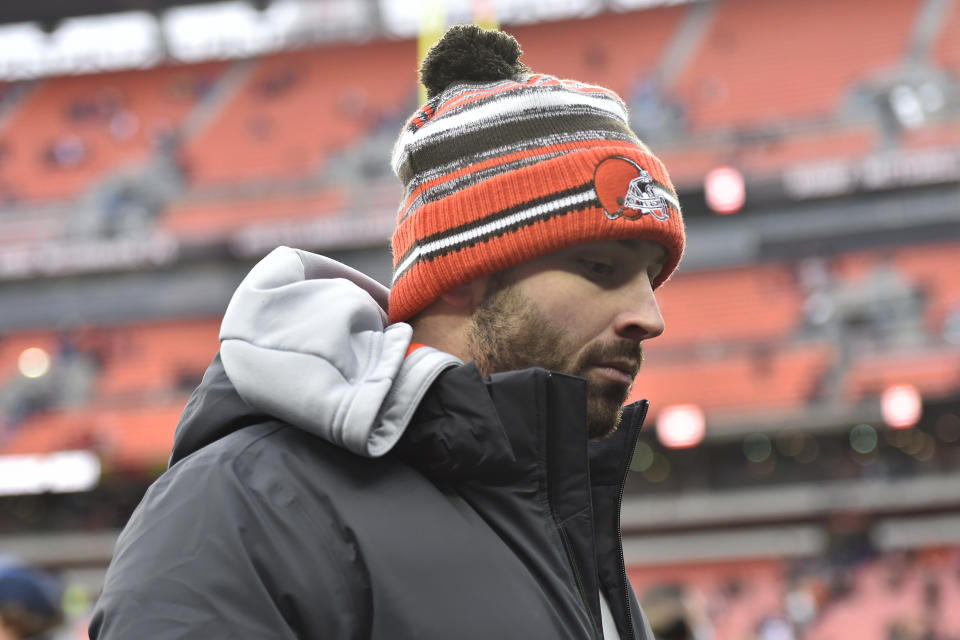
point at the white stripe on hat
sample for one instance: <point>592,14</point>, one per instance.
<point>522,104</point>
<point>426,250</point>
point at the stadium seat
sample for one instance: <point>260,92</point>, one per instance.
<point>734,81</point>
<point>756,303</point>
<point>212,219</point>
<point>70,131</point>
<point>298,108</point>
<point>593,50</point>
<point>137,437</point>
<point>935,373</point>
<point>945,50</point>
<point>157,358</point>
<point>767,378</point>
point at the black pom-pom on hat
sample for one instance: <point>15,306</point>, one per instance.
<point>468,53</point>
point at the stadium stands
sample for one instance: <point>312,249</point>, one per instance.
<point>734,80</point>
<point>935,373</point>
<point>890,595</point>
<point>135,437</point>
<point>944,135</point>
<point>757,380</point>
<point>298,108</point>
<point>945,51</point>
<point>68,132</point>
<point>928,267</point>
<point>923,268</point>
<point>157,358</point>
<point>292,137</point>
<point>734,596</point>
<point>748,304</point>
<point>593,48</point>
<point>218,218</point>
<point>767,154</point>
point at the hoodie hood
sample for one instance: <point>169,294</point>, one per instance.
<point>306,340</point>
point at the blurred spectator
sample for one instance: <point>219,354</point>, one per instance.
<point>67,151</point>
<point>278,82</point>
<point>775,628</point>
<point>951,325</point>
<point>674,615</point>
<point>29,604</point>
<point>653,110</point>
<point>123,125</point>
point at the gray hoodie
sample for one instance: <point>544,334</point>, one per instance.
<point>305,339</point>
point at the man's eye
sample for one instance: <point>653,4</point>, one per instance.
<point>597,268</point>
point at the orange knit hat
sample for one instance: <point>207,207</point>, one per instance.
<point>501,166</point>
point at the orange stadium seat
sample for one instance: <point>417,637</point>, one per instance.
<point>886,594</point>
<point>765,379</point>
<point>158,357</point>
<point>71,131</point>
<point>930,268</point>
<point>935,373</point>
<point>220,217</point>
<point>592,50</point>
<point>945,51</point>
<point>941,135</point>
<point>797,149</point>
<point>733,612</point>
<point>744,304</point>
<point>880,593</point>
<point>297,108</point>
<point>822,48</point>
<point>924,266</point>
<point>689,164</point>
<point>138,437</point>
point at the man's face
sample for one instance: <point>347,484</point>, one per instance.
<point>583,310</point>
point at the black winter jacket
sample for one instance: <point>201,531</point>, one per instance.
<point>491,514</point>
<point>492,518</point>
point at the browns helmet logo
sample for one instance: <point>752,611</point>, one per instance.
<point>626,190</point>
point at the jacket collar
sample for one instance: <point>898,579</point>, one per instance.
<point>527,430</point>
<point>515,425</point>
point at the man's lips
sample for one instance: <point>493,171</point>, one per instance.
<point>620,371</point>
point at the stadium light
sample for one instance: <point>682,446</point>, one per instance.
<point>33,362</point>
<point>725,190</point>
<point>681,426</point>
<point>901,406</point>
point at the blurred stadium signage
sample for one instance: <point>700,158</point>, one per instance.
<point>257,240</point>
<point>874,173</point>
<point>58,472</point>
<point>238,29</point>
<point>59,258</point>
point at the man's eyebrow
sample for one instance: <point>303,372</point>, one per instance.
<point>632,245</point>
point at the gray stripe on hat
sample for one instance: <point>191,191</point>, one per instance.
<point>471,145</point>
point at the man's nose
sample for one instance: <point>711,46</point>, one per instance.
<point>640,317</point>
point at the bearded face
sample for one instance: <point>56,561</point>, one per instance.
<point>509,332</point>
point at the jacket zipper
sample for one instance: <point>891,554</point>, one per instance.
<point>638,423</point>
<point>579,578</point>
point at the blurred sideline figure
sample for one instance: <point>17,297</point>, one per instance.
<point>673,615</point>
<point>445,459</point>
<point>29,604</point>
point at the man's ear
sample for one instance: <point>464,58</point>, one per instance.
<point>467,296</point>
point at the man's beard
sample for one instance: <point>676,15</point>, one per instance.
<point>508,333</point>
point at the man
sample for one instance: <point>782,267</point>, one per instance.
<point>29,603</point>
<point>452,468</point>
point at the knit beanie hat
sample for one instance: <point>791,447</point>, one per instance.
<point>502,165</point>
